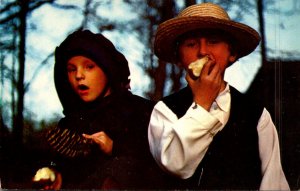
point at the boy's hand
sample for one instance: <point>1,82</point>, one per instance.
<point>207,87</point>
<point>104,141</point>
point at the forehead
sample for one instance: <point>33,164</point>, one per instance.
<point>207,33</point>
<point>78,59</point>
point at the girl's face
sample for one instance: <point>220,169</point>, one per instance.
<point>194,47</point>
<point>86,78</point>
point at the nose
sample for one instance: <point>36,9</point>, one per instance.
<point>203,51</point>
<point>79,74</point>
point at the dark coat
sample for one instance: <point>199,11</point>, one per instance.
<point>124,118</point>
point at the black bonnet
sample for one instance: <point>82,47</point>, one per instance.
<point>100,50</point>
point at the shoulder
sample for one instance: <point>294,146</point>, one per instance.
<point>183,94</point>
<point>131,104</point>
<point>245,102</point>
<point>182,97</point>
<point>180,101</point>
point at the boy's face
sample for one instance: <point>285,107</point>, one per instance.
<point>196,46</point>
<point>86,78</point>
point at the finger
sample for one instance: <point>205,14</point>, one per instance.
<point>87,136</point>
<point>215,70</point>
<point>99,139</point>
<point>207,67</point>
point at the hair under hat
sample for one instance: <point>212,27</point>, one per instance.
<point>200,17</point>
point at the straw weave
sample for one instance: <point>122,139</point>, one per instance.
<point>207,10</point>
<point>202,16</point>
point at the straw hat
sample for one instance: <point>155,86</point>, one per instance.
<point>202,16</point>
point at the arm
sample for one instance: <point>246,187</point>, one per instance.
<point>273,177</point>
<point>179,145</point>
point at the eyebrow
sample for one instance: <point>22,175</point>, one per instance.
<point>70,64</point>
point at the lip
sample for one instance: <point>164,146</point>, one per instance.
<point>81,90</point>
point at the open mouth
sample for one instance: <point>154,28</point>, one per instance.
<point>83,87</point>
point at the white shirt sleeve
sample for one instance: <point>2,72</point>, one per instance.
<point>179,145</point>
<point>273,177</point>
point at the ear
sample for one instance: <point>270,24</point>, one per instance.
<point>232,58</point>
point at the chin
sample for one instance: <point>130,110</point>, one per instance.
<point>87,99</point>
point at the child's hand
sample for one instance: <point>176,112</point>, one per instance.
<point>57,183</point>
<point>47,179</point>
<point>206,88</point>
<point>104,141</point>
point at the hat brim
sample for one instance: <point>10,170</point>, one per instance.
<point>168,32</point>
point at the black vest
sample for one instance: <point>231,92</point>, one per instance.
<point>232,160</point>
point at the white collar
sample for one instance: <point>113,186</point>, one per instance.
<point>223,100</point>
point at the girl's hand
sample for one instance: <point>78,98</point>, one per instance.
<point>47,179</point>
<point>56,184</point>
<point>104,141</point>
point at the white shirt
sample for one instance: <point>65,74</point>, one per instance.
<point>180,150</point>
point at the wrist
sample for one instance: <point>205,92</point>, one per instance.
<point>203,104</point>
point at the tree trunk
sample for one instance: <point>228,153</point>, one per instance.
<point>18,128</point>
<point>260,10</point>
<point>159,73</point>
<point>189,2</point>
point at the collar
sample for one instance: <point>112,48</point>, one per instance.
<point>223,100</point>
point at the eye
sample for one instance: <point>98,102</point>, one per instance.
<point>71,69</point>
<point>190,43</point>
<point>90,66</point>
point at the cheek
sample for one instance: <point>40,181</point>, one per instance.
<point>69,77</point>
<point>223,62</point>
<point>186,57</point>
<point>223,56</point>
<point>99,81</point>
<point>71,80</point>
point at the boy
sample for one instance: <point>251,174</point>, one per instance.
<point>208,134</point>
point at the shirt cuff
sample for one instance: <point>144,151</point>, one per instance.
<point>203,117</point>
